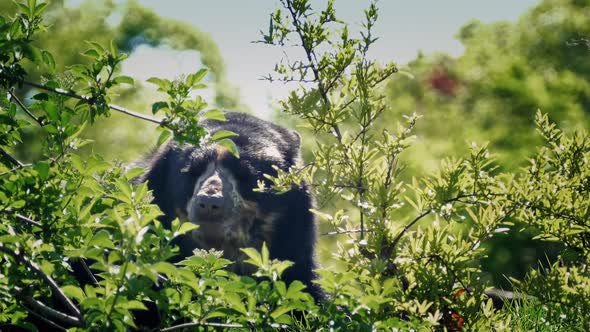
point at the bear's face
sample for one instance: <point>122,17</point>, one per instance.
<point>214,196</point>
<point>222,203</point>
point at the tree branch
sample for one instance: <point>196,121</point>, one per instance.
<point>28,220</point>
<point>52,284</point>
<point>90,101</point>
<point>453,274</point>
<point>23,218</point>
<point>50,313</point>
<point>196,324</point>
<point>422,215</point>
<point>24,108</point>
<point>351,231</point>
<point>10,158</point>
<point>47,321</point>
<point>15,169</point>
<point>88,271</point>
<point>312,64</point>
<point>409,225</point>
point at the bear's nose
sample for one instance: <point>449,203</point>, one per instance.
<point>209,206</point>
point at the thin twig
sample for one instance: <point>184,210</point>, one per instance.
<point>52,284</point>
<point>91,101</point>
<point>422,215</point>
<point>312,64</point>
<point>28,220</point>
<point>197,324</point>
<point>87,270</point>
<point>50,313</point>
<point>351,231</point>
<point>24,108</point>
<point>271,79</point>
<point>23,218</point>
<point>408,226</point>
<point>118,291</point>
<point>15,169</point>
<point>453,274</point>
<point>10,158</point>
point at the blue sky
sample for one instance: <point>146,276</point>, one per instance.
<point>404,28</point>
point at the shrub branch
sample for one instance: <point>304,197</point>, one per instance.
<point>52,284</point>
<point>205,324</point>
<point>24,108</point>
<point>49,313</point>
<point>91,101</point>
<point>422,215</point>
<point>10,158</point>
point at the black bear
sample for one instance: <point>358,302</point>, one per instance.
<point>209,186</point>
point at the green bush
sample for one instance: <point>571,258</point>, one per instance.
<point>414,249</point>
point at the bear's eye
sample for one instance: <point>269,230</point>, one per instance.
<point>242,175</point>
<point>244,172</point>
<point>194,170</point>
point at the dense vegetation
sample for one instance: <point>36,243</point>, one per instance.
<point>409,246</point>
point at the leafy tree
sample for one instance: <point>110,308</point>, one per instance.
<point>71,27</point>
<point>490,94</point>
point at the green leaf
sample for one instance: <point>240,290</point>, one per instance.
<point>51,110</point>
<point>23,8</point>
<point>5,239</point>
<point>79,71</point>
<point>265,254</point>
<point>114,50</point>
<point>193,79</point>
<point>163,137</point>
<point>235,302</point>
<point>165,268</point>
<point>48,60</point>
<point>133,305</point>
<point>185,227</point>
<point>97,46</point>
<point>254,257</point>
<point>32,4</point>
<point>74,292</point>
<point>295,289</point>
<point>215,114</point>
<point>32,53</point>
<point>40,8</point>
<point>159,106</point>
<point>42,169</point>
<point>123,80</point>
<point>281,311</point>
<point>91,53</point>
<point>221,134</point>
<point>18,204</point>
<point>101,239</point>
<point>230,145</point>
<point>163,84</point>
<point>133,173</point>
<point>51,129</point>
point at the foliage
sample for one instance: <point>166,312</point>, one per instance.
<point>128,26</point>
<point>490,93</point>
<point>81,247</point>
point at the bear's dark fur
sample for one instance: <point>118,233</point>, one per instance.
<point>208,186</point>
